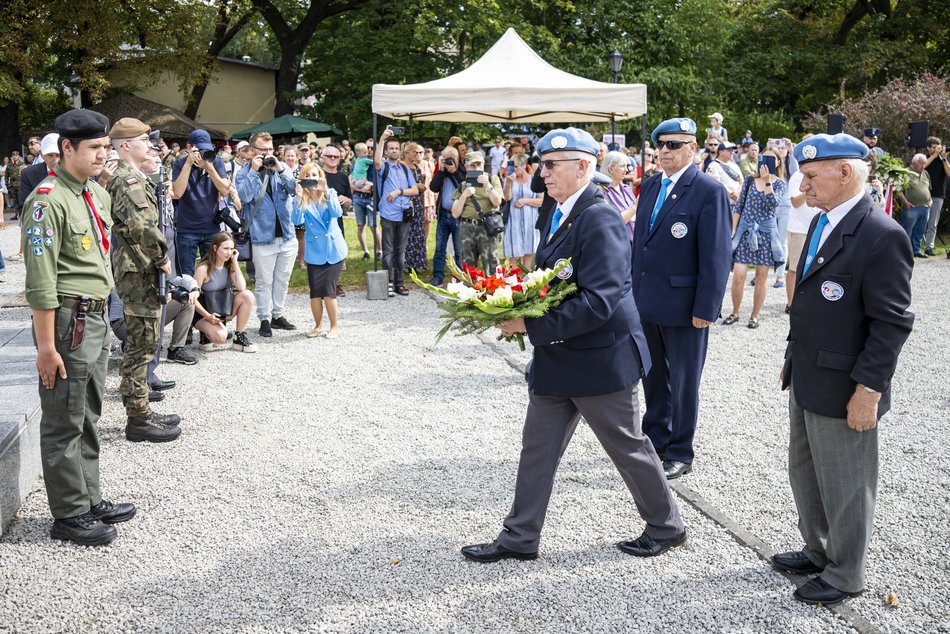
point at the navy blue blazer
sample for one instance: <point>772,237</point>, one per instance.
<point>680,270</point>
<point>592,343</point>
<point>849,319</point>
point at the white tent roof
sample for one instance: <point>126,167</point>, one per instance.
<point>510,82</point>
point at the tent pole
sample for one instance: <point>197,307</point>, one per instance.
<point>410,127</point>
<point>643,142</point>
<point>613,131</point>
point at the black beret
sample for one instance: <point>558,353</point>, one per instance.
<point>80,124</point>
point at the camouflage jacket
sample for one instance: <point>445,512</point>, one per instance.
<point>139,248</point>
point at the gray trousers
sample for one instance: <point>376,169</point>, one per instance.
<point>833,472</point>
<point>931,233</point>
<point>615,420</point>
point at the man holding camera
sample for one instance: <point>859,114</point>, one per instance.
<point>479,197</point>
<point>938,168</point>
<point>265,185</point>
<point>445,183</point>
<point>395,184</point>
<point>139,252</point>
<point>199,178</point>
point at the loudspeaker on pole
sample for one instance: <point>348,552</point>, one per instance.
<point>836,123</point>
<point>917,133</point>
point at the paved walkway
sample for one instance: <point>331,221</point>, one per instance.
<point>327,486</point>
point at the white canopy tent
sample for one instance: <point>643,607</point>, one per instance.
<point>510,83</point>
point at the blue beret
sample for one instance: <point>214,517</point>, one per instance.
<point>80,124</point>
<point>826,147</point>
<point>568,139</point>
<point>679,125</point>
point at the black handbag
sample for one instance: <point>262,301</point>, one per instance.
<point>492,221</point>
<point>219,303</point>
<point>505,210</point>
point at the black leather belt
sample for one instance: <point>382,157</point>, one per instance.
<point>92,305</point>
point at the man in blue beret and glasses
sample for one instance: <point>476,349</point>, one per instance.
<point>589,355</point>
<point>848,323</point>
<point>682,254</point>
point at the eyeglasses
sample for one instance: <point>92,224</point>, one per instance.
<point>548,164</point>
<point>331,156</point>
<point>262,149</point>
<point>673,145</point>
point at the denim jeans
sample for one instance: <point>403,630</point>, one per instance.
<point>363,209</point>
<point>932,222</point>
<point>3,265</point>
<point>273,264</point>
<point>914,221</point>
<point>395,235</point>
<point>445,226</point>
<point>186,244</point>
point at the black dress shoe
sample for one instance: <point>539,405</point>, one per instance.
<point>281,323</point>
<point>490,553</point>
<point>161,386</point>
<point>818,591</point>
<point>84,530</point>
<point>109,513</point>
<point>674,469</point>
<point>154,397</point>
<point>646,546</point>
<point>795,561</point>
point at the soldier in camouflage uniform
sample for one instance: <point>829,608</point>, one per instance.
<point>13,181</point>
<point>476,243</point>
<point>139,253</point>
<point>68,278</point>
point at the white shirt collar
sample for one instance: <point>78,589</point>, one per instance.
<point>568,205</point>
<point>837,214</point>
<point>676,176</point>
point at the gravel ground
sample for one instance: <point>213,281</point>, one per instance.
<point>327,485</point>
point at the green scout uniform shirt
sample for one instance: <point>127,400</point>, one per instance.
<point>138,244</point>
<point>481,195</point>
<point>61,248</point>
<point>747,167</point>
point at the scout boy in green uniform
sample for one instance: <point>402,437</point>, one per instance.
<point>66,228</point>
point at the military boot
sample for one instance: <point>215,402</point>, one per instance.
<point>84,530</point>
<point>147,428</point>
<point>165,419</point>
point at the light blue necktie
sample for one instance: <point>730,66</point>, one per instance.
<point>815,240</point>
<point>556,221</point>
<point>659,202</point>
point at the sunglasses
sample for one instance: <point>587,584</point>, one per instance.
<point>329,156</point>
<point>548,164</point>
<point>673,145</point>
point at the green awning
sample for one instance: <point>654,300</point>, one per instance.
<point>286,125</point>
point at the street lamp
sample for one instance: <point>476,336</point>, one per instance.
<point>616,63</point>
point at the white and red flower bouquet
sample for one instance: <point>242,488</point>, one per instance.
<point>474,302</point>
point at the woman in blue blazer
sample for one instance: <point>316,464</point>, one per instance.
<point>317,208</point>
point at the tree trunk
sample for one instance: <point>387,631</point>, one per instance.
<point>287,76</point>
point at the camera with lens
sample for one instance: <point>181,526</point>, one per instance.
<point>270,162</point>
<point>208,155</point>
<point>448,160</point>
<point>178,293</point>
<point>226,216</point>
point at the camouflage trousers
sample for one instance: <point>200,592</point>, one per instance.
<point>139,350</point>
<point>476,244</point>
